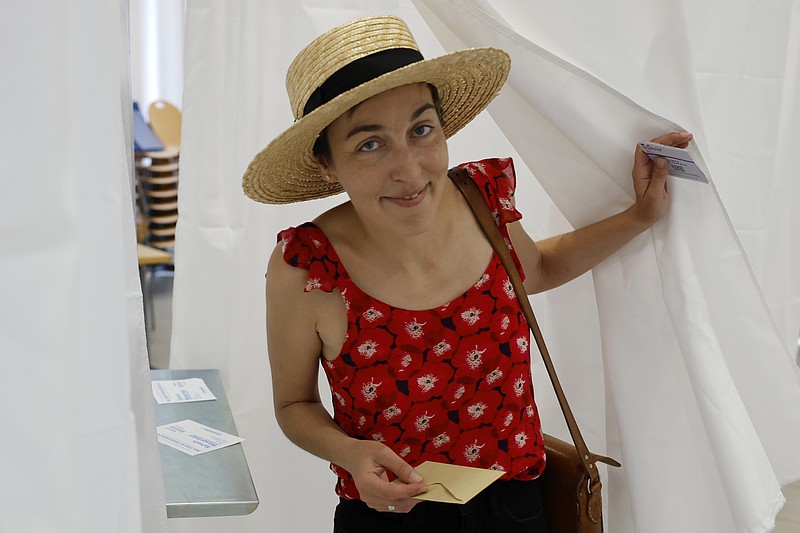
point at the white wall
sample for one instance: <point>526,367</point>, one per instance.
<point>157,51</point>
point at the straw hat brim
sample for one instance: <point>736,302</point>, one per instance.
<point>285,171</point>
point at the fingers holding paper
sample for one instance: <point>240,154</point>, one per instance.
<point>371,475</point>
<point>650,179</point>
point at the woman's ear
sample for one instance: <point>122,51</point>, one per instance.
<point>325,168</point>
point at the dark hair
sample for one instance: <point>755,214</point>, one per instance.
<point>322,147</point>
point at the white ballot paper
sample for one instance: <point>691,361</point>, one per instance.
<point>681,164</point>
<point>181,391</point>
<point>194,438</point>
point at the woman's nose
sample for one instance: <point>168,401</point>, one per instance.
<point>404,165</point>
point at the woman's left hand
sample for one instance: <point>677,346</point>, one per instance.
<point>650,180</point>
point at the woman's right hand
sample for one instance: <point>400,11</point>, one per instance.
<point>371,460</point>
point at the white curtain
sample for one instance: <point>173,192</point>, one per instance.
<point>695,407</point>
<point>681,315</point>
<point>748,78</point>
<point>79,451</point>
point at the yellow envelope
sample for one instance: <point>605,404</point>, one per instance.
<point>452,483</point>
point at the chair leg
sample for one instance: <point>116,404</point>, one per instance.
<point>146,276</point>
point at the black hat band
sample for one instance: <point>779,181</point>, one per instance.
<point>360,71</point>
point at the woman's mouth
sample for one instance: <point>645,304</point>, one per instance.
<point>409,200</point>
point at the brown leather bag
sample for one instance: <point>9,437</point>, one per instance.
<point>570,483</point>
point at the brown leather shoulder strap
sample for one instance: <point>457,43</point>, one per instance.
<point>484,217</point>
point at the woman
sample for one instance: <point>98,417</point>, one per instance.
<point>424,362</point>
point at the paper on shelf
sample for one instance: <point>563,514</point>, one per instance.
<point>181,391</point>
<point>194,438</point>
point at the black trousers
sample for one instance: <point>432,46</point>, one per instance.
<point>503,507</point>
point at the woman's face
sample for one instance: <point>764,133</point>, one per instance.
<point>390,156</point>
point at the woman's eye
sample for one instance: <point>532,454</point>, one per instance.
<point>423,130</point>
<point>368,146</point>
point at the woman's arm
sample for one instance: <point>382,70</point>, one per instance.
<point>557,260</point>
<point>294,347</point>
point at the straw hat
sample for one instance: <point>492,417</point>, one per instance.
<point>344,67</point>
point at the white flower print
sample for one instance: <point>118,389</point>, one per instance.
<point>509,418</point>
<point>497,467</point>
<point>471,316</point>
<point>508,289</point>
<point>362,421</point>
<point>370,390</point>
<point>423,421</point>
<point>405,362</point>
<point>316,243</point>
<point>476,410</point>
<point>392,412</point>
<point>481,282</point>
<point>520,439</point>
<point>519,386</point>
<point>345,300</point>
<point>427,382</point>
<point>441,440</point>
<point>473,452</point>
<point>441,348</point>
<point>378,437</point>
<point>460,392</point>
<point>505,322</point>
<point>340,399</point>
<point>414,329</point>
<point>474,358</point>
<point>312,283</point>
<point>284,244</point>
<point>368,348</point>
<point>405,451</point>
<point>522,344</point>
<point>506,203</point>
<point>493,376</point>
<point>529,411</point>
<point>372,314</point>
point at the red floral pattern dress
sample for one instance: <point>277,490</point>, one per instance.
<point>451,384</point>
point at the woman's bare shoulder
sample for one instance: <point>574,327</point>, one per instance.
<point>282,277</point>
<point>335,221</point>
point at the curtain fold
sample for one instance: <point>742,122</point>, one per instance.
<point>677,340</point>
<point>79,452</point>
<point>747,72</point>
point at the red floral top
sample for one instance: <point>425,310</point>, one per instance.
<point>451,384</point>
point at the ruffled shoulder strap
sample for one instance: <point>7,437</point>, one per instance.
<point>497,182</point>
<point>307,247</point>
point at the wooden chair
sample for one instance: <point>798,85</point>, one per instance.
<point>165,120</point>
<point>157,188</point>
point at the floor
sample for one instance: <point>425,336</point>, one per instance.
<point>159,342</point>
<point>789,518</point>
